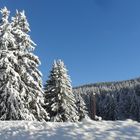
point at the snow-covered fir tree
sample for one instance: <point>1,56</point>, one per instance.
<point>28,67</point>
<point>11,104</point>
<point>59,98</point>
<point>82,109</point>
<point>20,92</point>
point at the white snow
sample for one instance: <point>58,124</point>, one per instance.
<point>86,130</point>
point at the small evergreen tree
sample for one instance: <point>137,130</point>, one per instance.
<point>82,109</point>
<point>59,98</point>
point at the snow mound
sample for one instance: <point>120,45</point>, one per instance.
<point>86,130</point>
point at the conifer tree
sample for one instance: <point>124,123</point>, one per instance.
<point>11,104</point>
<point>20,81</point>
<point>28,67</point>
<point>59,98</point>
<point>82,109</point>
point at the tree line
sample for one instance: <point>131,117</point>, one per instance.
<point>114,100</point>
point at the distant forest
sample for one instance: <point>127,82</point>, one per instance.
<point>114,100</point>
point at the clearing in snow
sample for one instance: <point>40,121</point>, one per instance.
<point>86,130</point>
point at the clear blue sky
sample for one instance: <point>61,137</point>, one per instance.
<point>99,40</point>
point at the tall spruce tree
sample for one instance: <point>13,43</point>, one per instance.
<point>20,92</point>
<point>28,67</point>
<point>59,98</point>
<point>11,104</point>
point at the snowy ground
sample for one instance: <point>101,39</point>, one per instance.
<point>86,130</point>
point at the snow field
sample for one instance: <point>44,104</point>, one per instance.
<point>86,130</point>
